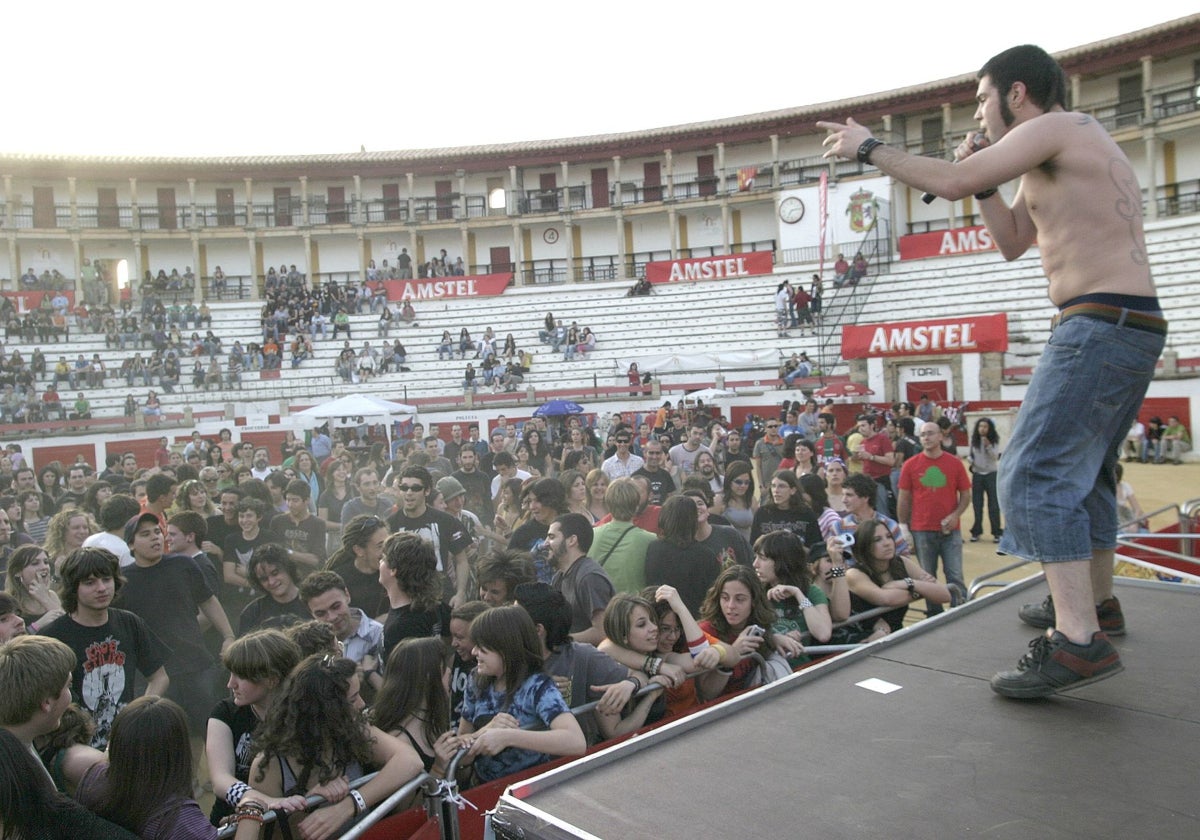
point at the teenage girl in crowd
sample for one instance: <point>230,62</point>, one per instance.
<point>315,740</point>
<point>882,578</point>
<point>738,614</point>
<point>510,693</point>
<point>258,663</point>
<point>781,563</point>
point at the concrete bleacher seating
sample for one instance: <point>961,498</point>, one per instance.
<point>689,319</point>
<point>983,284</point>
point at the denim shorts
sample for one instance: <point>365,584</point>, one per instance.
<point>1057,484</point>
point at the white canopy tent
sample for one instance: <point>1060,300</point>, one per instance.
<point>352,410</point>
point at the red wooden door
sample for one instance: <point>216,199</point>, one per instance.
<point>600,188</point>
<point>501,261</point>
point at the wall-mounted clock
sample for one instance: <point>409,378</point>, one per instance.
<point>791,210</point>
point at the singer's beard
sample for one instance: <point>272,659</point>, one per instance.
<point>1006,115</point>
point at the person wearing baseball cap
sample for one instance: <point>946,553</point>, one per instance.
<point>167,594</point>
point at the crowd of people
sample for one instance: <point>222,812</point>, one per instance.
<point>467,592</point>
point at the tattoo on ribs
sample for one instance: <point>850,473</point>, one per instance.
<point>1129,204</point>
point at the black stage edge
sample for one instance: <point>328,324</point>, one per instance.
<point>941,757</point>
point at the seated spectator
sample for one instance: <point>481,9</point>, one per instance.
<point>212,344</point>
<point>488,366</point>
<point>271,355</point>
<point>212,377</point>
<point>399,355</point>
<point>1176,442</point>
<point>83,408</point>
<point>233,372</point>
<point>51,404</point>
<point>341,323</point>
<point>407,313</point>
<point>445,348</point>
<point>641,288</point>
<point>841,268</point>
<point>512,378</point>
<point>152,409</point>
<point>366,363</point>
<point>800,368</point>
<point>96,372</point>
<point>858,270</point>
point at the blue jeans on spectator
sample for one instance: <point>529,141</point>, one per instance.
<point>1151,450</point>
<point>801,372</point>
<point>931,545</point>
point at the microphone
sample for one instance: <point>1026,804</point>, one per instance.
<point>976,144</point>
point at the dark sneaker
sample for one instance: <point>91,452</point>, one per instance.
<point>1108,613</point>
<point>1112,620</point>
<point>1038,615</point>
<point>1056,664</point>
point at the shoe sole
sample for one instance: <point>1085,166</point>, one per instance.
<point>1046,690</point>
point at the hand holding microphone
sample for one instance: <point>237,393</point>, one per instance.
<point>973,143</point>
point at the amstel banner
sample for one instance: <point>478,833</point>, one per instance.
<point>439,288</point>
<point>711,268</point>
<point>979,334</point>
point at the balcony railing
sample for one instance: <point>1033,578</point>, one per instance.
<point>1178,199</point>
<point>1171,102</point>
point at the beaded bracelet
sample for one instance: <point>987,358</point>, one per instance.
<point>252,811</point>
<point>866,147</point>
<point>805,603</point>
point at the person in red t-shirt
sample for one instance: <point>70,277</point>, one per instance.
<point>877,456</point>
<point>934,491</point>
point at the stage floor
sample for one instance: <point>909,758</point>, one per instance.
<point>939,756</point>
